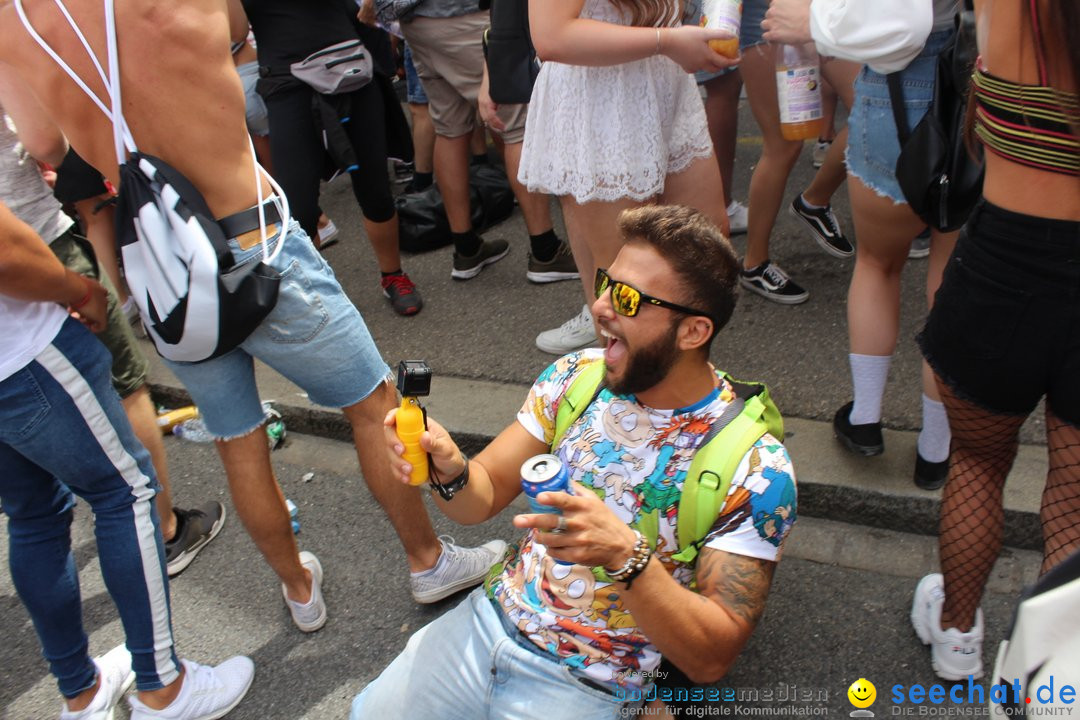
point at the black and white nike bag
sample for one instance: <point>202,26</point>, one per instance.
<point>195,301</point>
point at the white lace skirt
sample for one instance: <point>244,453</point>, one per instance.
<point>608,133</point>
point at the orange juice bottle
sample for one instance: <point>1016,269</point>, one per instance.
<point>723,15</point>
<point>410,426</point>
<point>798,91</point>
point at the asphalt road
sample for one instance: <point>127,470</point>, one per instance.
<point>838,610</point>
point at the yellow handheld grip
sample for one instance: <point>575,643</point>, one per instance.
<point>410,426</point>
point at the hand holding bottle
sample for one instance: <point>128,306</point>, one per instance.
<point>689,47</point>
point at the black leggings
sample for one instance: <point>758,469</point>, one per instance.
<point>299,156</point>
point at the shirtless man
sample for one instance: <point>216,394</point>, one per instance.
<point>184,103</point>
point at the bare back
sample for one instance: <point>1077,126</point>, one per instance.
<point>1008,52</point>
<point>182,97</point>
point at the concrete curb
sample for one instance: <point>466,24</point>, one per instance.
<point>833,484</point>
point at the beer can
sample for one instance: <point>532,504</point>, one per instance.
<point>544,473</point>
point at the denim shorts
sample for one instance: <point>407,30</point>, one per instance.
<point>414,89</point>
<point>463,666</point>
<point>750,34</point>
<point>314,336</point>
<point>1003,331</point>
<point>873,146</point>
<point>258,120</point>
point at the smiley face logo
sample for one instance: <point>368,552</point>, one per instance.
<point>862,693</point>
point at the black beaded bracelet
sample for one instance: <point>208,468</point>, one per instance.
<point>635,564</point>
<point>448,490</point>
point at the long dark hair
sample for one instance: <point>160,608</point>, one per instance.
<point>649,13</point>
<point>1061,30</point>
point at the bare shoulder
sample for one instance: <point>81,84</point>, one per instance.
<point>738,583</point>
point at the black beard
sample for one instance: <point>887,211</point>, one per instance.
<point>645,368</point>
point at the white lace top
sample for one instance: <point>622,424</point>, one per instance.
<point>614,132</point>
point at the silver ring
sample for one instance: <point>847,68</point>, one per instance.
<point>560,525</point>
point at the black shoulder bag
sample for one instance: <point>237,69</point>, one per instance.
<point>939,177</point>
<point>511,60</point>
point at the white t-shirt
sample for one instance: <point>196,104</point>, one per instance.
<point>639,456</point>
<point>886,40</point>
<point>26,328</point>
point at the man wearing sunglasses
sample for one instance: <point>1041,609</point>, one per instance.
<point>575,620</point>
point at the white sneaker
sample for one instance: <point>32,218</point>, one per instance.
<point>309,616</point>
<point>328,234</point>
<point>954,654</point>
<point>821,149</point>
<point>114,669</point>
<point>576,333</point>
<point>207,693</point>
<point>457,569</point>
<point>738,217</point>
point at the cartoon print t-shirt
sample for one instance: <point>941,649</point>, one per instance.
<point>640,457</point>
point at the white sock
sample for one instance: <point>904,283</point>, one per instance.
<point>812,206</point>
<point>934,437</point>
<point>868,376</point>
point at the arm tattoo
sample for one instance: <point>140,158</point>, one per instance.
<point>737,583</point>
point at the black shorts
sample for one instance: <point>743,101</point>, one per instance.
<point>1005,327</point>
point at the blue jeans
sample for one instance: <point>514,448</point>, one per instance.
<point>63,429</point>
<point>464,666</point>
<point>314,336</point>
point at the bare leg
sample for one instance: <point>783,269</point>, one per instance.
<point>423,135</point>
<point>590,228</point>
<point>699,186</point>
<point>261,507</point>
<point>941,249</point>
<point>143,419</point>
<point>841,75</point>
<point>383,237</point>
<point>722,113</point>
<point>535,207</point>
<point>452,174</point>
<point>778,155</point>
<point>478,141</point>
<point>401,503</point>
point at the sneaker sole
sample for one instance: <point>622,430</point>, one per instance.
<point>921,629</point>
<point>737,230</point>
<point>445,592</point>
<point>562,350</point>
<point>178,565</point>
<point>782,299</point>
<point>822,243</point>
<point>550,277</point>
<point>475,270</point>
<point>407,312</point>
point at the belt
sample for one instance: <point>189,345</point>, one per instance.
<point>519,637</point>
<point>244,225</point>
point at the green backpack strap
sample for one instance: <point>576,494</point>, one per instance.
<point>713,466</point>
<point>584,388</point>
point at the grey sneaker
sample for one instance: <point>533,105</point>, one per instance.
<point>309,616</point>
<point>920,246</point>
<point>821,149</point>
<point>114,670</point>
<point>457,569</point>
<point>207,693</point>
<point>560,267</point>
<point>467,267</point>
<point>576,333</point>
<point>194,529</point>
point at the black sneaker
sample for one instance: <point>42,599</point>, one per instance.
<point>826,230</point>
<point>402,294</point>
<point>467,267</point>
<point>560,267</point>
<point>930,475</point>
<point>769,281</point>
<point>194,528</point>
<point>863,439</point>
<point>920,246</point>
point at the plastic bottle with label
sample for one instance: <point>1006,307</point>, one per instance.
<point>798,91</point>
<point>723,15</point>
<point>193,430</point>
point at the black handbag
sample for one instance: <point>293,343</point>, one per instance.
<point>511,59</point>
<point>940,178</point>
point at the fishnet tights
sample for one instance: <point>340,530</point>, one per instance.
<point>984,446</point>
<point>1060,511</point>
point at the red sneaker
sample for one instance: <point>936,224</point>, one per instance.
<point>402,294</point>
